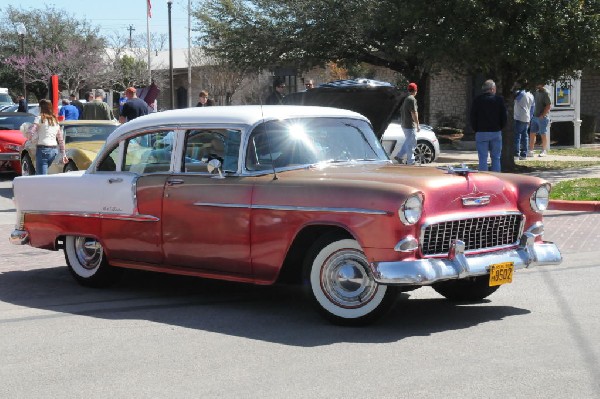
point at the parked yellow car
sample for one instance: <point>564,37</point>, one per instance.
<point>83,140</point>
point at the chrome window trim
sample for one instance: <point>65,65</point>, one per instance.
<point>297,208</point>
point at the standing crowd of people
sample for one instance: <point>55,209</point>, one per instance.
<point>489,116</point>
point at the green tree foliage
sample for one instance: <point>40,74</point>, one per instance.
<point>539,39</point>
<point>129,70</point>
<point>507,40</point>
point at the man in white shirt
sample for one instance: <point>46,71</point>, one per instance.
<point>522,115</point>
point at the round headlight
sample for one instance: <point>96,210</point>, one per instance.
<point>540,198</point>
<point>410,212</point>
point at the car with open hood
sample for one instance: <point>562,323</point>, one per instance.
<point>83,140</point>
<point>379,102</point>
<point>295,194</point>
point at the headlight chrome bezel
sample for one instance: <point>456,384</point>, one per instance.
<point>540,199</point>
<point>411,210</point>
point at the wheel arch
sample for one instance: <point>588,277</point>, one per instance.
<point>291,271</point>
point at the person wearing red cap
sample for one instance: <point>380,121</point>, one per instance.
<point>134,107</point>
<point>410,125</point>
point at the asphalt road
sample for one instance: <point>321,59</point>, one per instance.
<point>167,336</point>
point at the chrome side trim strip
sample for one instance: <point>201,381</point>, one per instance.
<point>219,205</point>
<point>99,215</point>
<point>297,208</point>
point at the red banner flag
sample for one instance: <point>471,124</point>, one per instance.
<point>149,9</point>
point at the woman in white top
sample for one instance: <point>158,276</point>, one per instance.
<point>49,139</point>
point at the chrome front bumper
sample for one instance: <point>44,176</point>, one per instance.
<point>458,265</point>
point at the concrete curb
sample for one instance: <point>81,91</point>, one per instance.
<point>582,206</point>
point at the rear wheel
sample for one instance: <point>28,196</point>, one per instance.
<point>87,263</point>
<point>470,289</point>
<point>424,152</point>
<point>339,282</point>
<point>27,168</point>
<point>70,167</point>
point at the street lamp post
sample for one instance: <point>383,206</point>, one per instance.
<point>21,30</point>
<point>169,5</point>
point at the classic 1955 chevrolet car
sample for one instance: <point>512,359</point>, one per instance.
<point>297,193</point>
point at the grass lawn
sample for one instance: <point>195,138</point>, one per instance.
<point>580,152</point>
<point>587,189</point>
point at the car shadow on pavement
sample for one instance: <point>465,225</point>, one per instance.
<point>279,314</point>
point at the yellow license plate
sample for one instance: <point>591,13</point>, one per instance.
<point>501,273</point>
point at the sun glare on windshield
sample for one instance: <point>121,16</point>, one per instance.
<point>298,132</point>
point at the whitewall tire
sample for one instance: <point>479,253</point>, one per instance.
<point>340,283</point>
<point>87,263</point>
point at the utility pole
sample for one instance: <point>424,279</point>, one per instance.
<point>130,29</point>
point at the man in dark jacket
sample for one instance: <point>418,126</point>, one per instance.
<point>488,118</point>
<point>276,97</point>
<point>22,104</point>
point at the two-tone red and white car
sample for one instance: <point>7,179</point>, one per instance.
<point>257,194</point>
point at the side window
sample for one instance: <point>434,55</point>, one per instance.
<point>203,145</point>
<point>149,152</point>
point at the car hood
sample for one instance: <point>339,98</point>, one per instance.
<point>378,101</point>
<point>12,136</point>
<point>443,191</point>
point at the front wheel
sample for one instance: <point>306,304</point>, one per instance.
<point>470,289</point>
<point>339,282</point>
<point>87,263</point>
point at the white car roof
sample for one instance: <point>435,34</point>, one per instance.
<point>248,115</point>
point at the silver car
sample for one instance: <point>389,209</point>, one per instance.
<point>428,146</point>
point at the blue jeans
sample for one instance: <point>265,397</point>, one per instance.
<point>521,138</point>
<point>44,156</point>
<point>408,147</point>
<point>489,142</point>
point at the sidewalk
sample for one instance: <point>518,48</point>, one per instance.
<point>454,157</point>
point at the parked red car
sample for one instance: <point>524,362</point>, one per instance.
<point>11,139</point>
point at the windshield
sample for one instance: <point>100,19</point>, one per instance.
<point>87,133</point>
<point>311,140</point>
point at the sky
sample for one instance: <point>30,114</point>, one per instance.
<point>118,15</point>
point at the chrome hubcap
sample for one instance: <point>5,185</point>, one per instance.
<point>345,281</point>
<point>89,252</point>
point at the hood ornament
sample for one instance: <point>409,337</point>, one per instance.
<point>462,170</point>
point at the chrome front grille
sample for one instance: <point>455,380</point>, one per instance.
<point>477,233</point>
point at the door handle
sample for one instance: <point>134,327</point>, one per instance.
<point>173,182</point>
<point>114,180</point>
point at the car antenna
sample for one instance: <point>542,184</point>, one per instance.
<point>265,129</point>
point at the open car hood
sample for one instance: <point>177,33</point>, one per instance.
<point>376,100</point>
